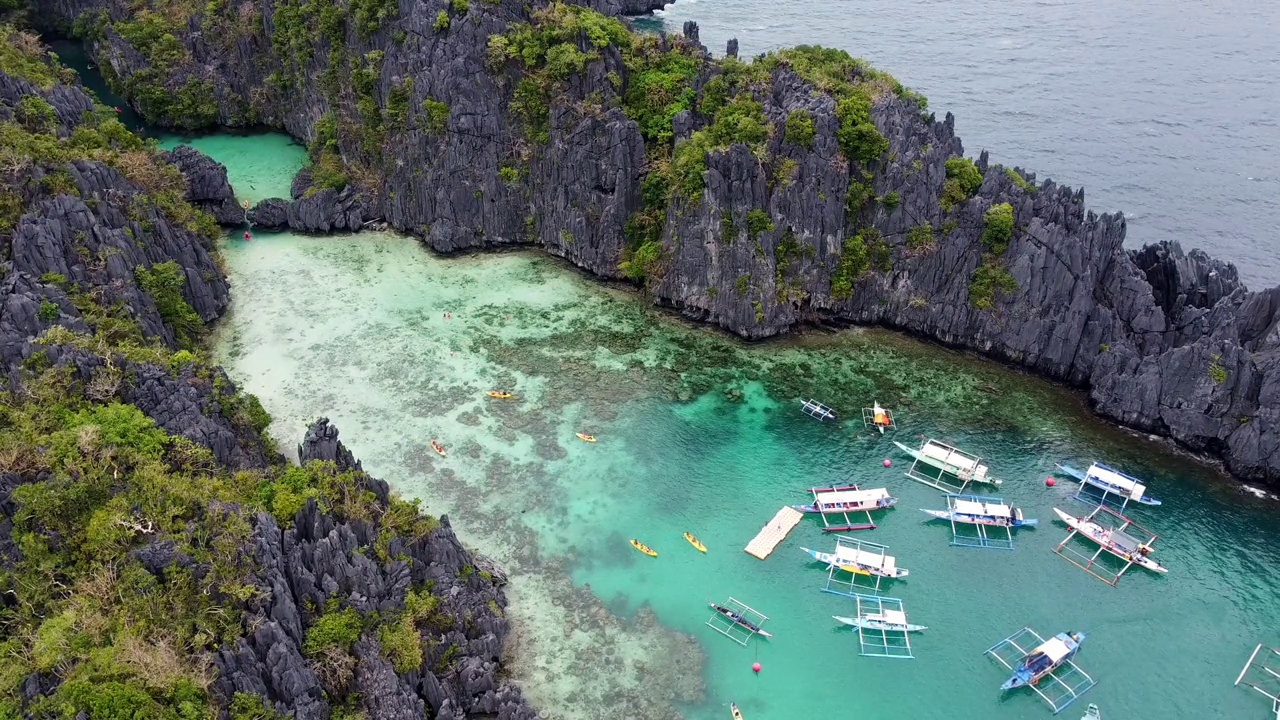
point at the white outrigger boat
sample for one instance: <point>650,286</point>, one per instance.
<point>947,460</point>
<point>888,620</point>
<point>1111,482</point>
<point>817,410</point>
<point>1092,713</point>
<point>859,562</point>
<point>975,512</point>
<point>847,498</point>
<point>1116,542</point>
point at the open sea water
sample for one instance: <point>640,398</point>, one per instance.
<point>1165,109</point>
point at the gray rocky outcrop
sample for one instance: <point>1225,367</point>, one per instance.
<point>207,186</point>
<point>1164,341</point>
<point>321,558</point>
<point>76,261</point>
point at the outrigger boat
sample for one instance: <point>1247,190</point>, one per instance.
<point>694,541</point>
<point>1092,713</point>
<point>438,448</point>
<point>859,562</point>
<point>499,394</point>
<point>1111,482</point>
<point>643,548</point>
<point>971,512</point>
<point>845,499</point>
<point>817,410</point>
<point>1044,659</point>
<point>946,460</point>
<point>586,438</point>
<point>740,621</point>
<point>1117,543</point>
<point>879,418</point>
<point>888,620</point>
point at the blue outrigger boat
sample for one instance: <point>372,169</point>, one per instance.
<point>1044,659</point>
<point>1111,482</point>
<point>971,510</point>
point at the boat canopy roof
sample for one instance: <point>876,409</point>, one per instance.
<point>956,458</point>
<point>972,507</point>
<point>830,497</point>
<point>894,617</point>
<point>1055,648</point>
<point>862,557</point>
<point>1124,541</point>
<point>1115,478</point>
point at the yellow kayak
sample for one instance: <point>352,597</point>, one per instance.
<point>854,569</point>
<point>694,541</point>
<point>737,714</point>
<point>643,548</point>
<point>586,438</point>
<point>500,395</point>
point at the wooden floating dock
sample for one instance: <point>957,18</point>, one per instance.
<point>774,532</point>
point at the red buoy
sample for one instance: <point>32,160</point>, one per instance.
<point>1050,482</point>
<point>755,667</point>
<point>887,463</point>
<point>117,111</point>
<point>246,236</point>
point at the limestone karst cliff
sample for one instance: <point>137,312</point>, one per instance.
<point>800,187</point>
<point>158,559</point>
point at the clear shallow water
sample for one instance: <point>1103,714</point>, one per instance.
<point>699,432</point>
<point>259,166</point>
<point>1165,109</point>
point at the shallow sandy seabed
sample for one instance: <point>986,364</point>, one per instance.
<point>698,431</point>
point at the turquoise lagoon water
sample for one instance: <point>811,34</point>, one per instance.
<point>700,432</point>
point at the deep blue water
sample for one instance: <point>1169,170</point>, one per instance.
<point>1165,109</point>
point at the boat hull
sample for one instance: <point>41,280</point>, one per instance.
<point>948,469</point>
<point>868,624</point>
<point>1025,675</point>
<point>739,621</point>
<point>832,561</point>
<point>1117,490</point>
<point>813,509</point>
<point>977,519</point>
<point>1094,533</point>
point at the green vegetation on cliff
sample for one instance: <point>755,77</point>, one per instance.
<point>991,276</point>
<point>96,484</point>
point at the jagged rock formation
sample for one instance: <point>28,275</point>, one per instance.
<point>320,559</point>
<point>157,557</point>
<point>207,186</point>
<point>627,158</point>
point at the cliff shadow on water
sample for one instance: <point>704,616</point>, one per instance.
<point>803,186</point>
